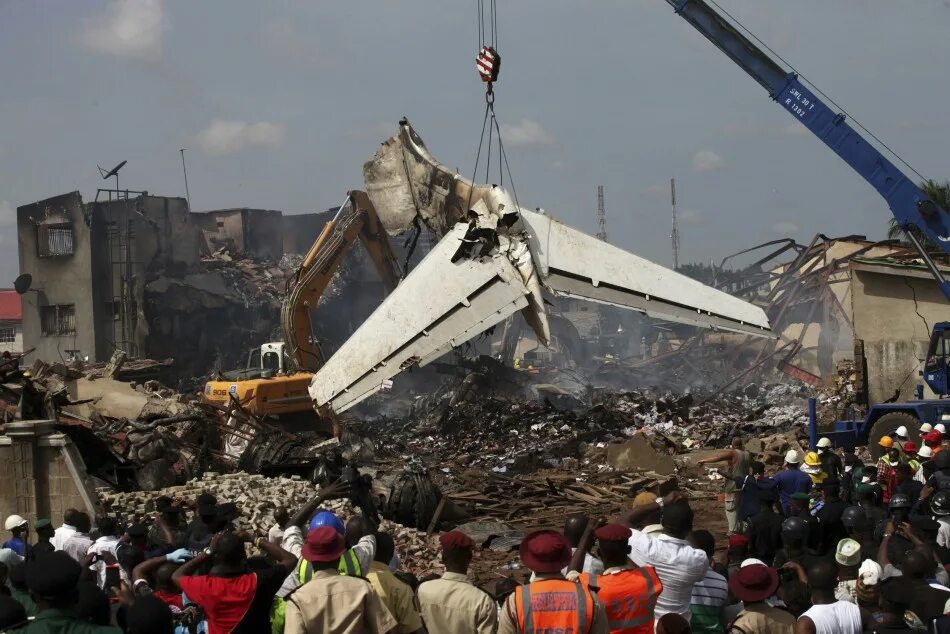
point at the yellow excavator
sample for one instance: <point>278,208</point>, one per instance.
<point>275,381</point>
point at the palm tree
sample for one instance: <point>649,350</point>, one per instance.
<point>940,194</point>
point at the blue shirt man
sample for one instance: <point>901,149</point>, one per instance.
<point>751,487</point>
<point>791,479</point>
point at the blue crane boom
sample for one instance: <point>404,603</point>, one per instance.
<point>909,204</point>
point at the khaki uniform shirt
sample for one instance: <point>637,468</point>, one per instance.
<point>331,603</point>
<point>452,605</point>
<point>396,596</point>
<point>761,618</point>
<point>508,621</point>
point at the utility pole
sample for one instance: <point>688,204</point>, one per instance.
<point>601,215</point>
<point>185,172</point>
<point>675,232</point>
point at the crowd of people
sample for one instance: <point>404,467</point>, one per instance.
<point>826,545</point>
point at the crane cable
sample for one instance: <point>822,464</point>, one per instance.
<point>815,87</point>
<point>488,65</point>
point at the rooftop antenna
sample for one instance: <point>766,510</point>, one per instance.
<point>187,195</point>
<point>113,172</point>
<point>601,215</point>
<point>675,232</point>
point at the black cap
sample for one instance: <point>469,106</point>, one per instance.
<point>206,499</point>
<point>148,614</point>
<point>164,504</point>
<point>228,512</point>
<point>137,530</point>
<point>208,510</point>
<point>53,575</point>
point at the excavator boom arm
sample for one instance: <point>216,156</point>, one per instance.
<point>357,219</point>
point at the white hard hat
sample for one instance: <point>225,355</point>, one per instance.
<point>792,457</point>
<point>14,521</point>
<point>939,427</point>
<point>926,427</point>
<point>925,452</point>
<point>824,443</point>
<point>901,431</point>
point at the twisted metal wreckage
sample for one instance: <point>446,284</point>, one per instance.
<point>494,258</point>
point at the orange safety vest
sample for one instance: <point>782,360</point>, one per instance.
<point>554,605</point>
<point>629,598</point>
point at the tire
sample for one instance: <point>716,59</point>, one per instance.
<point>886,424</point>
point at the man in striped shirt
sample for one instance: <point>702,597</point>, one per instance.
<point>711,593</point>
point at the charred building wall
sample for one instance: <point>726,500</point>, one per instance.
<point>257,232</point>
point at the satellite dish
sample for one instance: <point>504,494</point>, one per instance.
<point>113,172</point>
<point>22,284</point>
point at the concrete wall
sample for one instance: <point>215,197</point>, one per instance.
<point>300,230</point>
<point>43,472</point>
<point>57,280</point>
<point>885,303</point>
<point>256,232</point>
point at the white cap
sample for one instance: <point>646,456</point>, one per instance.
<point>925,452</point>
<point>926,427</point>
<point>14,521</point>
<point>939,427</point>
<point>824,443</point>
<point>870,572</point>
<point>792,457</point>
<point>901,431</point>
<point>752,561</point>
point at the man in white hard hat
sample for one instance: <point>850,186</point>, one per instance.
<point>924,454</point>
<point>19,543</point>
<point>791,480</point>
<point>926,428</point>
<point>830,461</point>
<point>940,427</point>
<point>900,435</point>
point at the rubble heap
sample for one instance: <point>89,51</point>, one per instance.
<point>520,436</point>
<point>257,496</point>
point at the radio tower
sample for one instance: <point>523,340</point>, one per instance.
<point>601,215</point>
<point>675,232</point>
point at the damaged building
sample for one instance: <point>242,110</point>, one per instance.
<point>141,273</point>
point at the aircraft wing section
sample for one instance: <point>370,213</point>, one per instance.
<point>578,265</point>
<point>440,304</point>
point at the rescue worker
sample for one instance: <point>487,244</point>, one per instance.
<point>452,604</point>
<point>910,452</point>
<point>889,459</point>
<point>812,466</point>
<point>830,461</point>
<point>334,603</point>
<point>551,602</point>
<point>924,455</point>
<point>740,461</point>
<point>800,506</point>
<point>627,591</point>
<point>19,542</point>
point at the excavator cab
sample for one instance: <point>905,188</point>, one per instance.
<point>937,365</point>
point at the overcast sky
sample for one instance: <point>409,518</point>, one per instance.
<point>279,104</point>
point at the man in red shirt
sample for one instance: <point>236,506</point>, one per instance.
<point>235,600</point>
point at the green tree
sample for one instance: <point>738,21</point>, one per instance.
<point>940,194</point>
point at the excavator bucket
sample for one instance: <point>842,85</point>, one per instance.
<point>493,259</point>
